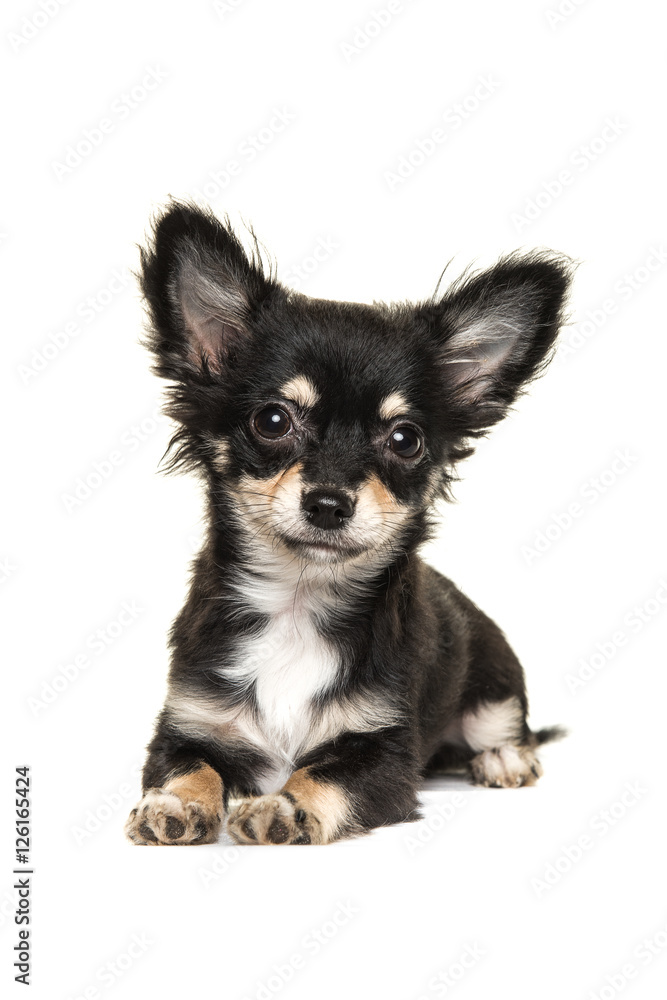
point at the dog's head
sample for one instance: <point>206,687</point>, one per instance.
<point>330,427</point>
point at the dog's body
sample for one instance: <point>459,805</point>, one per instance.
<point>320,668</point>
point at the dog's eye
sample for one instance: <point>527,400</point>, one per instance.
<point>272,422</point>
<point>405,442</point>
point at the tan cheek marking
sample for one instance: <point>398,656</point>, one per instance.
<point>290,480</point>
<point>301,391</point>
<point>393,406</point>
<point>269,487</point>
<point>203,786</point>
<point>328,803</point>
<point>250,486</point>
<point>384,499</point>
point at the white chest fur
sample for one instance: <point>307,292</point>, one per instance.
<point>287,665</point>
<point>289,662</point>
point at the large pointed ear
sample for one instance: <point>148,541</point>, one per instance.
<point>495,332</point>
<point>202,290</point>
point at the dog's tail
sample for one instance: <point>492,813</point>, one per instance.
<point>548,735</point>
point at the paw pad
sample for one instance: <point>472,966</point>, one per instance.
<point>273,819</point>
<point>164,818</point>
<point>506,767</point>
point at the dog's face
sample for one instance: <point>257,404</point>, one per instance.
<point>326,427</point>
<point>331,446</point>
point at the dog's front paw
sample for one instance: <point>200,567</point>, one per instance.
<point>506,767</point>
<point>164,817</point>
<point>273,819</point>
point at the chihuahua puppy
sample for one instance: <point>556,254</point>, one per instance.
<point>320,669</point>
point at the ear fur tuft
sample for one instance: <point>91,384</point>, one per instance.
<point>202,289</point>
<point>495,331</point>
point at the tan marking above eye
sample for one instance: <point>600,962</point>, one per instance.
<point>393,406</point>
<point>301,391</point>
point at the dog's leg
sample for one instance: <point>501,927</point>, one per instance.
<point>186,809</point>
<point>346,788</point>
<point>305,811</point>
<point>187,780</point>
<point>508,766</point>
<point>502,746</point>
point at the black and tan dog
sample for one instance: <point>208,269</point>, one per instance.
<point>320,669</point>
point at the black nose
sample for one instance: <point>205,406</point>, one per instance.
<point>327,509</point>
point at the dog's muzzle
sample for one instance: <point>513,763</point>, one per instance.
<point>327,509</point>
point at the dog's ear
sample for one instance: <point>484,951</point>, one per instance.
<point>494,332</point>
<point>202,290</point>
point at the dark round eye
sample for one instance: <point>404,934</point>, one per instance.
<point>272,422</point>
<point>405,442</point>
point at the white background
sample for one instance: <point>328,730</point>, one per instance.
<point>486,871</point>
